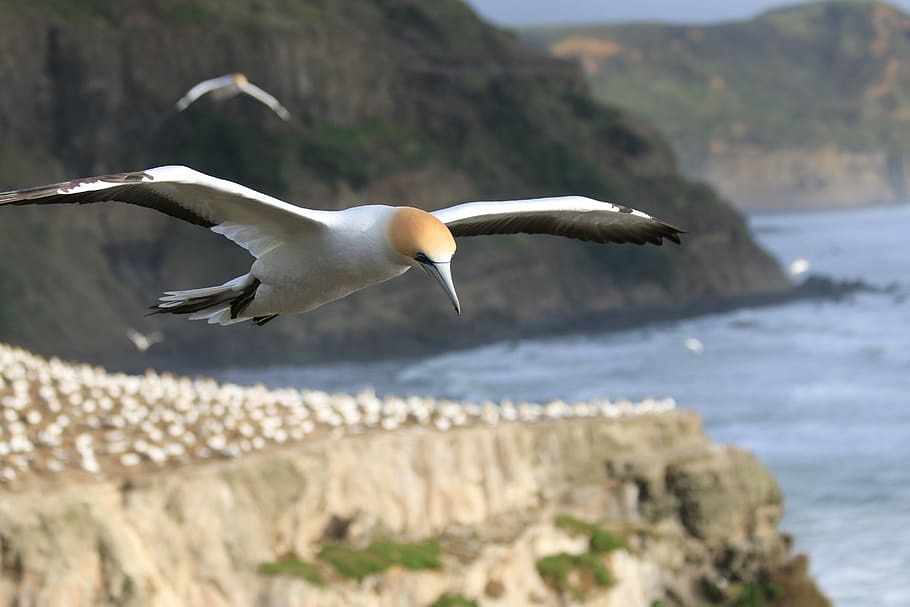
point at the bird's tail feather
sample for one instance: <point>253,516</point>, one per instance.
<point>218,305</point>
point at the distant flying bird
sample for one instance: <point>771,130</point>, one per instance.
<point>694,345</point>
<point>306,258</point>
<point>144,341</point>
<point>799,266</point>
<point>228,86</point>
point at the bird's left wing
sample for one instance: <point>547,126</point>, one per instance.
<point>203,88</point>
<point>253,220</point>
<point>260,95</point>
<point>570,216</point>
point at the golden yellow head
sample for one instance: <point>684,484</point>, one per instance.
<point>413,231</point>
<point>240,79</point>
<point>426,243</point>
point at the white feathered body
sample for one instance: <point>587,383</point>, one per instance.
<point>329,264</point>
<point>228,92</point>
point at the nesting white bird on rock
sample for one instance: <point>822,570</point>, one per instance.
<point>224,87</point>
<point>306,258</point>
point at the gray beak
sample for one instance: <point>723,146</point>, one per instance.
<point>442,272</point>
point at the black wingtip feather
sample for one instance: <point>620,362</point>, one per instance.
<point>129,188</point>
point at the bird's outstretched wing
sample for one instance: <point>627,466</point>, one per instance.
<point>260,95</point>
<point>253,220</point>
<point>570,216</point>
<point>204,87</point>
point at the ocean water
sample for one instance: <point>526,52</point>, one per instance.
<point>819,390</point>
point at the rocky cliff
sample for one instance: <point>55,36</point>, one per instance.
<point>394,101</point>
<point>380,502</point>
<point>802,106</point>
<point>696,518</point>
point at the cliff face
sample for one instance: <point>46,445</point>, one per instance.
<point>761,177</point>
<point>699,521</point>
<point>802,106</point>
<point>164,490</point>
<point>394,101</point>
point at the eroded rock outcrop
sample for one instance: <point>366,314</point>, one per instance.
<point>765,177</point>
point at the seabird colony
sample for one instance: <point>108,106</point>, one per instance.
<point>81,420</point>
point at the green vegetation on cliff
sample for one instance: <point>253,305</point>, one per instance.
<point>295,568</point>
<point>453,600</point>
<point>358,563</point>
<point>576,574</point>
<point>600,541</point>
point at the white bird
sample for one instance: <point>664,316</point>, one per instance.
<point>144,341</point>
<point>694,345</point>
<point>225,87</point>
<point>306,258</point>
<point>799,266</point>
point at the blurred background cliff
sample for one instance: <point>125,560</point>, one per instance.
<point>394,101</point>
<point>799,107</point>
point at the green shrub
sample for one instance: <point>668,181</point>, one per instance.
<point>602,575</point>
<point>420,555</point>
<point>602,542</point>
<point>556,569</point>
<point>351,562</point>
<point>358,563</point>
<point>573,525</point>
<point>453,600</point>
<point>295,568</point>
<point>756,595</point>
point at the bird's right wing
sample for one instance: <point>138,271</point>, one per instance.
<point>255,221</point>
<point>260,95</point>
<point>204,87</point>
<point>570,216</point>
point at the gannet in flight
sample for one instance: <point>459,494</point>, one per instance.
<point>799,266</point>
<point>142,341</point>
<point>231,85</point>
<point>306,258</point>
<point>694,345</point>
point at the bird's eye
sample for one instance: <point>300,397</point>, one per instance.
<point>422,258</point>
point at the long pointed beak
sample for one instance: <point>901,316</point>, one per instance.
<point>442,272</point>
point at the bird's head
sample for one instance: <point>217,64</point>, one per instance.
<point>426,243</point>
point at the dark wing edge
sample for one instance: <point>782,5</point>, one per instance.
<point>129,188</point>
<point>594,226</point>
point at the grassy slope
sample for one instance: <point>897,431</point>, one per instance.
<point>394,100</point>
<point>828,72</point>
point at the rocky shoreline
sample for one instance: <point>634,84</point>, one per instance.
<point>395,501</point>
